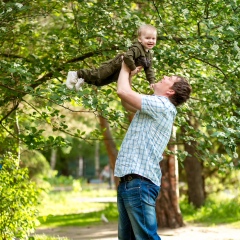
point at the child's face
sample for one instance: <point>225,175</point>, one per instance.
<point>148,38</point>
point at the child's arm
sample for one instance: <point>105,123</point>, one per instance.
<point>130,56</point>
<point>149,71</point>
<point>150,75</point>
<point>134,71</point>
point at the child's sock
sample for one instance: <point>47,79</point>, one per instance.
<point>72,79</point>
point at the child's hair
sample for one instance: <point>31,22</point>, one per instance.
<point>144,27</point>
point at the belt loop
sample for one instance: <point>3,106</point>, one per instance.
<point>129,177</point>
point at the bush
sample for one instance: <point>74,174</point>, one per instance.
<point>18,200</point>
<point>62,181</point>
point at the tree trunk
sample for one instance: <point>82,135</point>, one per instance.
<point>97,162</point>
<point>110,145</point>
<point>53,158</point>
<point>194,171</point>
<point>167,205</point>
<point>193,168</point>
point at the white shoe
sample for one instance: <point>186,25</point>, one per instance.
<point>72,79</point>
<point>79,83</point>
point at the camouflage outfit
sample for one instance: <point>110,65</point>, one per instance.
<point>109,71</point>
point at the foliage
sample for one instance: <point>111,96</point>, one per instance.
<point>215,181</point>
<point>18,200</point>
<point>36,163</point>
<point>60,180</point>
<point>217,210</point>
<point>218,181</point>
<point>41,42</point>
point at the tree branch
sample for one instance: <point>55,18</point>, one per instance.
<point>155,6</point>
<point>13,56</point>
<point>11,111</point>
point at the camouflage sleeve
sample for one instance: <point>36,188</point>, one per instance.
<point>150,74</point>
<point>130,56</point>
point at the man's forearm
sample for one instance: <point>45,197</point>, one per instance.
<point>124,89</point>
<point>124,80</point>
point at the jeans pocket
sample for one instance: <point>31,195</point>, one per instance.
<point>153,191</point>
<point>132,196</point>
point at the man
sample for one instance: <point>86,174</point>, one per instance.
<point>137,163</point>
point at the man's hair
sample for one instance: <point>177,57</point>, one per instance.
<point>144,27</point>
<point>182,91</point>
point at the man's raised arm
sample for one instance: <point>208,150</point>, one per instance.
<point>130,99</point>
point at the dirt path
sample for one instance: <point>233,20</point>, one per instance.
<point>108,231</point>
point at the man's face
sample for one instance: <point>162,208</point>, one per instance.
<point>163,87</point>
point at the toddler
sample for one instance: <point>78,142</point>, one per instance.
<point>139,54</point>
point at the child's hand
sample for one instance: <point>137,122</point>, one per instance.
<point>136,71</point>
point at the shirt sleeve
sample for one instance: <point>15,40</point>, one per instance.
<point>150,105</point>
<point>155,105</point>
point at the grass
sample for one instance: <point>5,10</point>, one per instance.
<point>62,209</point>
<point>62,203</point>
<point>218,209</point>
<point>80,219</point>
<point>59,209</point>
<point>66,209</point>
<point>67,202</point>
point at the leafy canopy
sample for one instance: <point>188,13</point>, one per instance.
<point>42,40</point>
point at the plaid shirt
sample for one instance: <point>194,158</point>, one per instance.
<point>146,139</point>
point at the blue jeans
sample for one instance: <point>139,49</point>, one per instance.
<point>136,206</point>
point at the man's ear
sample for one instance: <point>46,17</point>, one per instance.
<point>170,92</point>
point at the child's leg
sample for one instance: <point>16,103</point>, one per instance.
<point>111,78</point>
<point>105,74</point>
